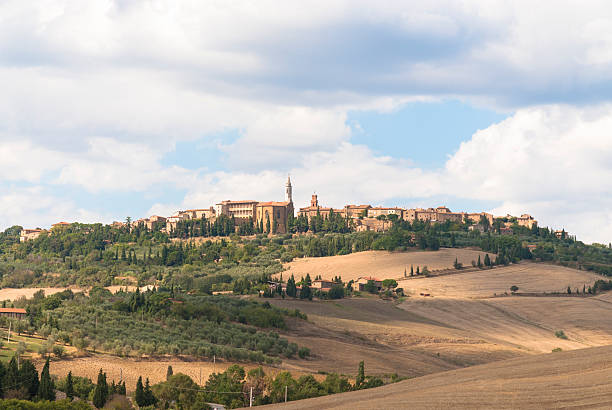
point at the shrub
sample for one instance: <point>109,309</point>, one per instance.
<point>560,334</point>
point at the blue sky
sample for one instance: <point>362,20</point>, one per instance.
<point>112,109</point>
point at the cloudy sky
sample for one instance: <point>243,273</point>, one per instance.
<point>111,109</point>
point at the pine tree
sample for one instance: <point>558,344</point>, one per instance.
<point>360,375</point>
<point>101,391</point>
<point>169,372</point>
<point>45,388</point>
<point>139,394</point>
<point>69,386</point>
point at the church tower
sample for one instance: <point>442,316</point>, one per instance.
<point>289,190</point>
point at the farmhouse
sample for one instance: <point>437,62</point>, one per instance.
<point>363,281</point>
<point>13,313</point>
<point>322,284</point>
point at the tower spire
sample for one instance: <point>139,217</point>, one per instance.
<point>289,190</point>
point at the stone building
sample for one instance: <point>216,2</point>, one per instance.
<point>315,208</point>
<point>378,211</point>
<point>29,234</point>
<point>526,220</point>
<point>238,209</point>
<point>276,214</point>
<point>356,211</point>
<point>207,213</point>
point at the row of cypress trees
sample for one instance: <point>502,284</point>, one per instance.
<point>20,380</point>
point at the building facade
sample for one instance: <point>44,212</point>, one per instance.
<point>29,234</point>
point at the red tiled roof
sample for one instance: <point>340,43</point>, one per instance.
<point>272,203</point>
<point>12,310</point>
<point>371,278</point>
<point>228,202</point>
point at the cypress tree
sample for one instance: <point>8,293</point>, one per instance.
<point>360,375</point>
<point>12,375</point>
<point>411,270</point>
<point>2,377</point>
<point>101,391</point>
<point>122,388</point>
<point>28,376</point>
<point>169,372</point>
<point>139,394</point>
<point>150,399</point>
<point>487,260</point>
<point>69,386</point>
<point>45,387</point>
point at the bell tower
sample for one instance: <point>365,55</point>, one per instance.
<point>289,190</point>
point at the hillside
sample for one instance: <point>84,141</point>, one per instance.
<point>579,379</point>
<point>529,277</point>
<point>380,264</point>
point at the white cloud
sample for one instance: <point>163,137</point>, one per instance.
<point>35,207</point>
<point>95,93</point>
<point>553,161</point>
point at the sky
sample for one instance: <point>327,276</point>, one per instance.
<point>110,109</point>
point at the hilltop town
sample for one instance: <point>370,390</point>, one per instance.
<point>250,216</point>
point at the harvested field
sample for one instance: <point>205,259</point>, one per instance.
<point>380,264</point>
<point>342,333</point>
<point>529,277</point>
<point>577,379</point>
<point>131,369</point>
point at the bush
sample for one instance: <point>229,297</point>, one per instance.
<point>560,334</point>
<point>336,292</point>
<point>303,352</point>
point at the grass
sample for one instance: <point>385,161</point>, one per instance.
<point>32,344</point>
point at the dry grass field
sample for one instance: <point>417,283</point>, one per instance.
<point>380,264</point>
<point>529,277</point>
<point>576,379</point>
<point>505,341</point>
<point>392,340</point>
<point>131,369</point>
